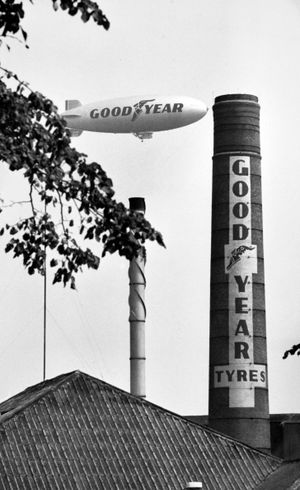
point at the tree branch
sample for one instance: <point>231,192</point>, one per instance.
<point>31,200</point>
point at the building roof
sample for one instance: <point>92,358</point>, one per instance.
<point>78,432</point>
<point>286,477</point>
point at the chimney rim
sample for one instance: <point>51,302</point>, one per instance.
<point>236,98</point>
<point>137,204</point>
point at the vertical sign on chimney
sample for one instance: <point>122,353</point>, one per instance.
<point>238,399</point>
<point>241,375</point>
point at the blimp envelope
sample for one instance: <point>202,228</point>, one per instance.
<point>138,115</point>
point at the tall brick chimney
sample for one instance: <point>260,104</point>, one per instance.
<point>238,397</point>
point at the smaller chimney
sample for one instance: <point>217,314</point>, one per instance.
<point>194,484</point>
<point>137,314</point>
<point>137,204</point>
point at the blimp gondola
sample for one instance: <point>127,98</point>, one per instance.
<point>141,116</point>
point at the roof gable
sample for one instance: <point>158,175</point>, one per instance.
<point>76,431</point>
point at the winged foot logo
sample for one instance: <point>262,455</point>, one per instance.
<point>236,255</point>
<point>138,108</point>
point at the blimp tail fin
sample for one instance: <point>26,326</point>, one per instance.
<point>72,104</point>
<point>75,132</point>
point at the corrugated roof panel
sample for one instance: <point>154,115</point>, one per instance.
<point>285,477</point>
<point>77,432</point>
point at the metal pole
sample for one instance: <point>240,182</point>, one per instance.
<point>137,314</point>
<point>45,308</point>
<point>45,319</point>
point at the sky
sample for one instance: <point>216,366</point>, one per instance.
<point>199,48</point>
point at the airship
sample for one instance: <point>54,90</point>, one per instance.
<point>141,116</point>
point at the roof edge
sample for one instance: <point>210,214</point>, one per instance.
<point>44,386</point>
<point>63,378</point>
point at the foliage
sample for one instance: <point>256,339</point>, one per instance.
<point>12,13</point>
<point>66,192</point>
<point>294,350</point>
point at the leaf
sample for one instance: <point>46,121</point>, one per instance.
<point>9,247</point>
<point>160,240</point>
<point>24,34</point>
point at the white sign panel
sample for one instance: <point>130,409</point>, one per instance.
<point>241,376</point>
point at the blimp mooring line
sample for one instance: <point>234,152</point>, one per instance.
<point>140,116</point>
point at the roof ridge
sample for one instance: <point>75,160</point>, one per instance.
<point>181,417</point>
<point>78,428</point>
<point>66,377</point>
<point>38,391</point>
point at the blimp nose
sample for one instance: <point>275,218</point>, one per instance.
<point>199,109</point>
<point>203,107</point>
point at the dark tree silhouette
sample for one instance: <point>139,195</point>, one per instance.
<point>66,193</point>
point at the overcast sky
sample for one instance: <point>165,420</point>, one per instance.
<point>200,48</point>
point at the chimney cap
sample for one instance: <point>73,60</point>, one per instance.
<point>236,97</point>
<point>137,204</point>
<point>194,484</point>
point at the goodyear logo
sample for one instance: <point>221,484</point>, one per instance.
<point>236,255</point>
<point>142,107</point>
